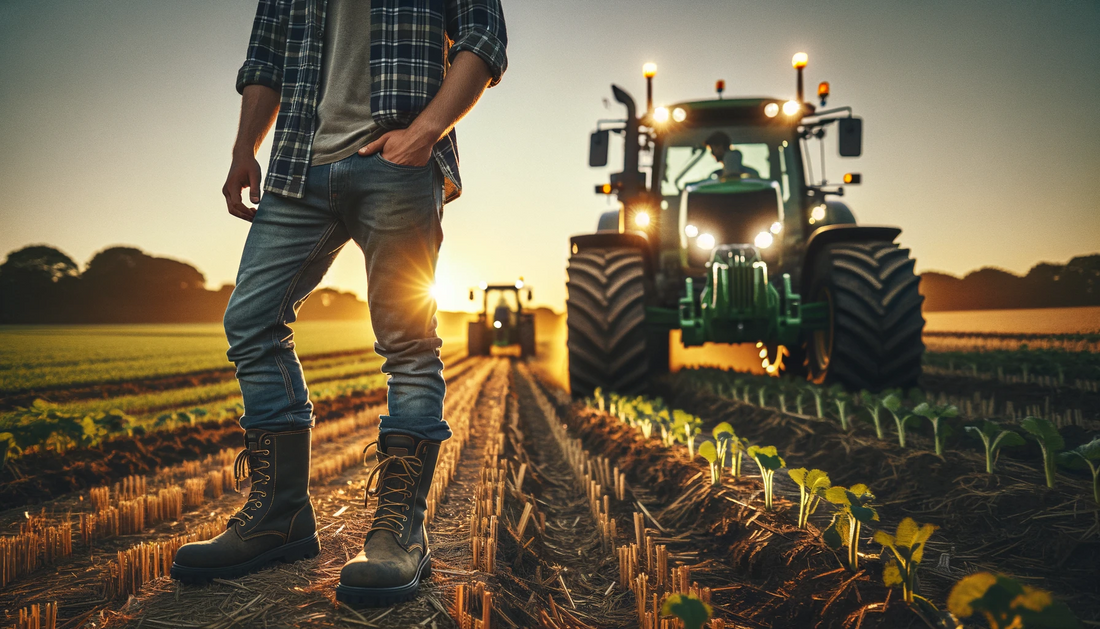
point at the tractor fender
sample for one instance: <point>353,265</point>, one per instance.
<point>609,239</point>
<point>609,222</point>
<point>838,213</point>
<point>830,234</point>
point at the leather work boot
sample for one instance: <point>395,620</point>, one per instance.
<point>395,555</point>
<point>275,524</point>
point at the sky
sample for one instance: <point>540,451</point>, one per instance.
<point>981,138</point>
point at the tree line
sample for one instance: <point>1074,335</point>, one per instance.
<point>40,284</point>
<point>1046,285</point>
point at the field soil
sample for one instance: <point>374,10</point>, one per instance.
<point>541,499</point>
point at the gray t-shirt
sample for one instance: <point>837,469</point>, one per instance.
<point>344,123</point>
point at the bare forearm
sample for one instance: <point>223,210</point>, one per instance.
<point>464,84</point>
<point>259,107</point>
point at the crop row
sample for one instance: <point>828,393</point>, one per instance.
<point>1051,367</point>
<point>853,506</point>
<point>941,341</point>
<point>893,412</point>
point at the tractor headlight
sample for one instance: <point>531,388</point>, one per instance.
<point>792,107</point>
<point>679,115</point>
<point>641,219</point>
<point>660,115</point>
<point>705,241</point>
<point>691,231</point>
<point>817,214</point>
<point>764,240</point>
<point>776,227</point>
<point>771,110</point>
<point>496,324</point>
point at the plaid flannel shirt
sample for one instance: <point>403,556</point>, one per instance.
<point>412,43</point>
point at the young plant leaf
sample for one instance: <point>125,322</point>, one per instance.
<point>994,437</point>
<point>691,611</point>
<point>768,460</point>
<point>907,546</point>
<point>1086,454</point>
<point>1005,603</point>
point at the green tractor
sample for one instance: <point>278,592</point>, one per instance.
<point>726,236</point>
<point>508,326</point>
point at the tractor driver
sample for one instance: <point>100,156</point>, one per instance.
<point>502,312</point>
<point>731,160</point>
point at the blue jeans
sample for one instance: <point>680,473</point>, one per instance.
<point>393,213</point>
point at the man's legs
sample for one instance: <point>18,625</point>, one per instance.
<point>290,245</point>
<point>393,212</point>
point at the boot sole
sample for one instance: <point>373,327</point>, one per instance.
<point>288,553</point>
<point>384,597</point>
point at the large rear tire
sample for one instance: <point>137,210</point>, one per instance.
<point>477,339</point>
<point>873,335</point>
<point>605,315</point>
<point>527,336</point>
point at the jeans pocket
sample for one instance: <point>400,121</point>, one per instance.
<point>402,166</point>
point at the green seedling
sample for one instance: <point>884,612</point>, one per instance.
<point>853,511</point>
<point>873,404</point>
<point>811,486</point>
<point>819,398</point>
<point>768,460</point>
<point>937,415</point>
<point>727,443</point>
<point>709,451</point>
<point>841,399</point>
<point>1050,440</point>
<point>646,418</point>
<point>799,407</point>
<point>994,437</point>
<point>908,549</point>
<point>901,415</point>
<point>723,436</point>
<point>598,395</point>
<point>8,448</point>
<point>690,609</point>
<point>1005,603</point>
<point>1086,453</point>
<point>762,395</point>
<point>685,426</point>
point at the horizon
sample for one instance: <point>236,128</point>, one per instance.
<point>121,117</point>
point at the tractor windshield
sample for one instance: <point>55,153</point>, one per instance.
<point>724,153</point>
<point>688,165</point>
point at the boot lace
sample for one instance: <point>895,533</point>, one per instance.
<point>392,505</point>
<point>249,464</point>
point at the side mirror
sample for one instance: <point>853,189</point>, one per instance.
<point>471,294</point>
<point>529,294</point>
<point>850,137</point>
<point>597,148</point>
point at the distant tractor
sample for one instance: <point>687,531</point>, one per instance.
<point>726,237</point>
<point>504,323</point>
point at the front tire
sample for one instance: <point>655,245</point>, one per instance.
<point>605,316</point>
<point>872,339</point>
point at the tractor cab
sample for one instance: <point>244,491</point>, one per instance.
<point>502,323</point>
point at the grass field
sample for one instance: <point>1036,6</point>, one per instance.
<point>39,357</point>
